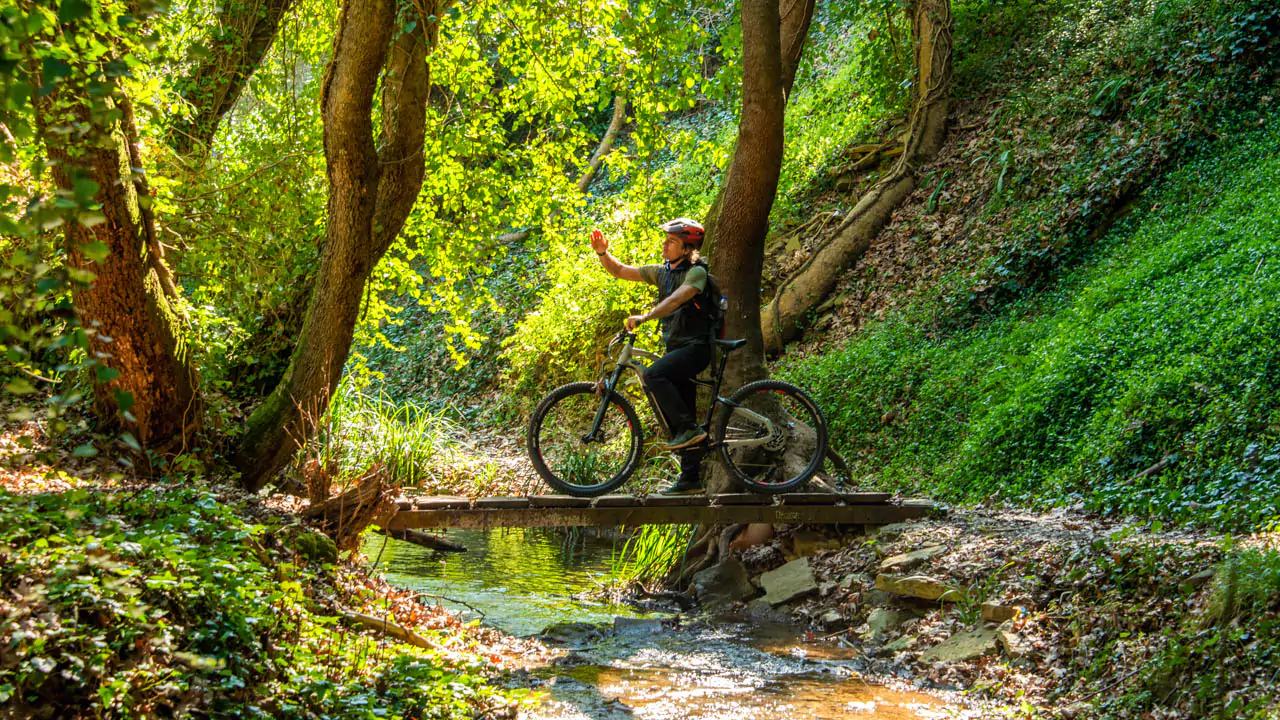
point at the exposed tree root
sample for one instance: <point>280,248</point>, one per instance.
<point>370,499</point>
<point>784,317</point>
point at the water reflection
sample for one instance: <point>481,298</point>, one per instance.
<point>525,580</point>
<point>521,579</point>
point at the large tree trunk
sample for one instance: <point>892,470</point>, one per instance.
<point>931,26</point>
<point>243,34</point>
<point>126,311</point>
<point>794,17</point>
<point>371,191</point>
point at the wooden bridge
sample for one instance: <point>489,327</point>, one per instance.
<point>862,508</point>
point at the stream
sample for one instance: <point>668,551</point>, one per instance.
<point>623,664</point>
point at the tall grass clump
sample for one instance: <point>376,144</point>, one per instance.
<point>650,553</point>
<point>361,430</point>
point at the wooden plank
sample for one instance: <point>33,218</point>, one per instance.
<point>865,498</point>
<point>742,499</point>
<point>559,501</point>
<point>500,502</point>
<point>649,515</point>
<point>676,500</point>
<point>613,501</point>
<point>443,502</point>
<point>809,498</point>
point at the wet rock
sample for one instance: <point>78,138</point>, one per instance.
<point>882,621</point>
<point>761,609</point>
<point>788,582</point>
<point>832,617</point>
<point>963,647</point>
<point>827,588</point>
<point>911,560</point>
<point>723,584</point>
<point>636,626</point>
<point>918,586</point>
<point>571,633</point>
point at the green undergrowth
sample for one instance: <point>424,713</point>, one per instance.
<point>165,603</point>
<point>1144,381</point>
<point>1222,659</point>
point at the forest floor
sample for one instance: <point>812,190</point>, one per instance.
<point>1064,614</point>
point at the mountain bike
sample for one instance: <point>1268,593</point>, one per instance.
<point>585,438</point>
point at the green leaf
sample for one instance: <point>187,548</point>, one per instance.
<point>128,439</point>
<point>85,450</point>
<point>18,386</point>
<point>124,400</point>
<point>72,10</point>
<point>96,251</point>
<point>106,374</point>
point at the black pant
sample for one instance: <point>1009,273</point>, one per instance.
<point>670,379</point>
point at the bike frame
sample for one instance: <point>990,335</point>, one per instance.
<point>633,358</point>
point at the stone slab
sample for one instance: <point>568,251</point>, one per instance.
<point>911,560</point>
<point>918,586</point>
<point>963,647</point>
<point>793,580</point>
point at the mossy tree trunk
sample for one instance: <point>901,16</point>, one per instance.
<point>371,191</point>
<point>931,27</point>
<point>148,386</point>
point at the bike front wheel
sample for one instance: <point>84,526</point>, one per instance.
<point>565,452</point>
<point>772,436</point>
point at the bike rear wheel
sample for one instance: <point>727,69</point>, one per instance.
<point>564,455</point>
<point>772,436</point>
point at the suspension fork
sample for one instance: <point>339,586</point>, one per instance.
<point>623,358</point>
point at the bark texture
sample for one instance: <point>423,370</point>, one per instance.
<point>372,188</point>
<point>794,17</point>
<point>240,38</point>
<point>931,27</point>
<point>126,310</point>
<point>770,52</point>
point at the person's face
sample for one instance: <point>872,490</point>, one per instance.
<point>672,248</point>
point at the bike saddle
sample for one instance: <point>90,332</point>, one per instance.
<point>730,345</point>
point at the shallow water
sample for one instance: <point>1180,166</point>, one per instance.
<point>658,669</point>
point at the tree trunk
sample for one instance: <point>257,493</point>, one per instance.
<point>371,191</point>
<point>931,26</point>
<point>245,31</point>
<point>126,311</point>
<point>794,17</point>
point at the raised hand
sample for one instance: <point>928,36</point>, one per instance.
<point>598,242</point>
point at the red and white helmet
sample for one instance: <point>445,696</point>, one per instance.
<point>690,231</point>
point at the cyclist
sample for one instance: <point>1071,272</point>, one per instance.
<point>686,330</point>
